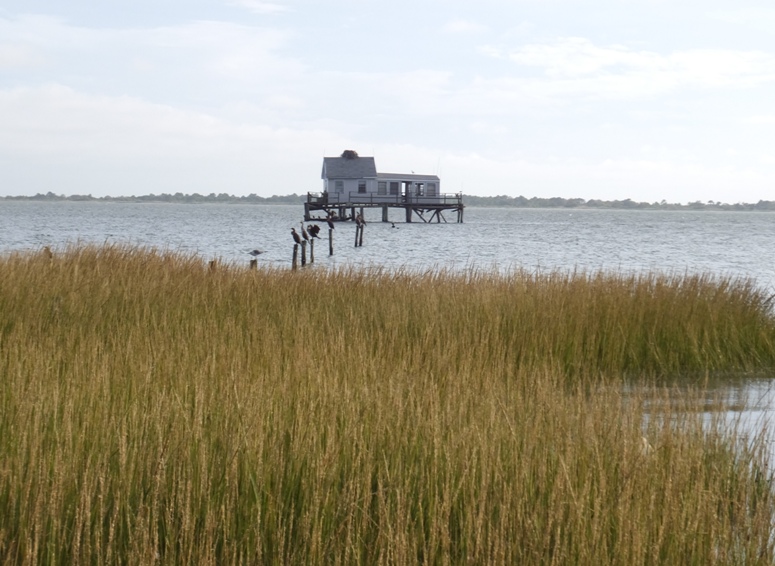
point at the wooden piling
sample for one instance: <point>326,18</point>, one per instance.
<point>253,264</point>
<point>312,250</point>
<point>360,239</point>
<point>303,253</point>
<point>357,232</point>
<point>330,241</point>
<point>294,262</point>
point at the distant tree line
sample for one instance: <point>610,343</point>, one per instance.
<point>557,202</point>
<point>469,200</point>
<point>195,198</point>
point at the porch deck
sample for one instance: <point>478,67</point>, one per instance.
<point>426,208</point>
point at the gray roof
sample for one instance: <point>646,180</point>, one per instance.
<point>407,177</point>
<point>341,168</point>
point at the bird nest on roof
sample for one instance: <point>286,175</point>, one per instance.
<point>350,154</point>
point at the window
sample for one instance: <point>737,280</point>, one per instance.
<point>393,187</point>
<point>431,189</point>
<point>418,189</point>
<point>340,186</point>
<point>361,186</point>
<point>382,188</point>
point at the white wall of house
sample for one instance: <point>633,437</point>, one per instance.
<point>351,190</point>
<point>384,189</point>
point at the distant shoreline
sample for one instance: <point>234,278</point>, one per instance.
<point>469,200</point>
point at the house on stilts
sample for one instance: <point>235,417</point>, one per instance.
<point>352,182</point>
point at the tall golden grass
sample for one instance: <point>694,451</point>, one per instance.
<point>155,411</point>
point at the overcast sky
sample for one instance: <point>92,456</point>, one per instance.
<point>605,99</point>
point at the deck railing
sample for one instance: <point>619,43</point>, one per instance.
<point>356,198</point>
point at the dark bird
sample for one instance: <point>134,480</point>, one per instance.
<point>393,225</point>
<point>313,230</point>
<point>296,237</point>
<point>304,233</point>
<point>255,253</point>
<point>330,222</point>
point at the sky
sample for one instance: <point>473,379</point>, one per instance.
<point>649,100</point>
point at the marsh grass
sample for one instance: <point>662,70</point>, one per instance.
<point>155,411</point>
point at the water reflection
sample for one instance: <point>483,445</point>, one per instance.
<point>740,405</point>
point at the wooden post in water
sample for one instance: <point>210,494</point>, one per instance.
<point>303,253</point>
<point>253,264</point>
<point>330,241</point>
<point>360,240</point>
<point>294,262</point>
<point>312,250</point>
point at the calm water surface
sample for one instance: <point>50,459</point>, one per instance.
<point>738,244</point>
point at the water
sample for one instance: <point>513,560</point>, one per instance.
<point>737,244</point>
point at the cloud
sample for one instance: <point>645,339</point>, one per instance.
<point>39,33</point>
<point>125,145</point>
<point>488,128</point>
<point>19,56</point>
<point>576,66</point>
<point>60,120</point>
<point>463,26</point>
<point>761,119</point>
<point>260,7</point>
<point>757,18</point>
<point>202,61</point>
<point>574,56</point>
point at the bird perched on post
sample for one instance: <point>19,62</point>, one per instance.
<point>330,222</point>
<point>296,237</point>
<point>304,233</point>
<point>313,230</point>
